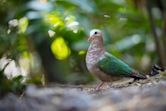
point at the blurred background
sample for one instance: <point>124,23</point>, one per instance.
<point>44,41</point>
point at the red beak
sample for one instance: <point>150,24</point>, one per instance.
<point>90,39</point>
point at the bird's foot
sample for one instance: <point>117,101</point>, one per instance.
<point>134,80</point>
<point>98,87</point>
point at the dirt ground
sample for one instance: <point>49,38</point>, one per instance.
<point>142,95</point>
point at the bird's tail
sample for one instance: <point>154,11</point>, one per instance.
<point>136,75</point>
<point>154,71</point>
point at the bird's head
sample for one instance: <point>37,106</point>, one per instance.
<point>94,34</point>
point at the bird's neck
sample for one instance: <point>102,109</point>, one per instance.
<point>96,45</point>
<point>95,50</point>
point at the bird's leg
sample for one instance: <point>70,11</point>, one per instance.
<point>133,81</point>
<point>99,86</point>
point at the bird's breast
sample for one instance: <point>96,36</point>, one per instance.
<point>93,57</point>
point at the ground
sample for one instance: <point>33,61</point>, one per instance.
<point>147,95</point>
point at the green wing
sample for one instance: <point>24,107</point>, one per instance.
<point>114,66</point>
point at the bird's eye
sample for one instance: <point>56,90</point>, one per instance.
<point>95,32</point>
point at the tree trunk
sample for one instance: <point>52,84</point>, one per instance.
<point>50,64</point>
<point>53,72</point>
<point>158,40</point>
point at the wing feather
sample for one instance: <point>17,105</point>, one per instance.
<point>111,65</point>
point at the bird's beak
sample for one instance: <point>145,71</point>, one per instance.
<point>90,39</point>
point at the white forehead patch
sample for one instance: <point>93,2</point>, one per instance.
<point>92,32</point>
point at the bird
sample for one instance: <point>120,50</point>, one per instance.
<point>104,65</point>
